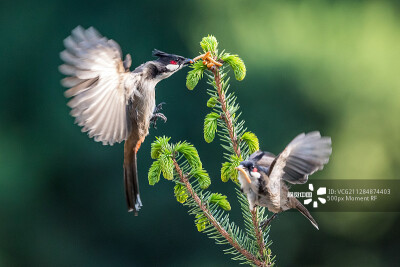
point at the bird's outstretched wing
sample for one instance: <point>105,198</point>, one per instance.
<point>99,84</point>
<point>306,154</point>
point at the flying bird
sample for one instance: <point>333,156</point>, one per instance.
<point>110,102</point>
<point>264,177</point>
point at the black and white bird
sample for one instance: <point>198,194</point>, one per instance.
<point>264,176</point>
<point>110,102</point>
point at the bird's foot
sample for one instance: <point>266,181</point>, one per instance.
<point>158,107</point>
<point>264,224</point>
<point>153,119</point>
<point>157,114</point>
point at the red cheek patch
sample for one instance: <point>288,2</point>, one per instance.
<point>173,62</point>
<point>254,169</point>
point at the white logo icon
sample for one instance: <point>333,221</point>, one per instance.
<point>320,191</point>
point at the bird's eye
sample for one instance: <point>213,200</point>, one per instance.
<point>173,62</point>
<point>254,169</point>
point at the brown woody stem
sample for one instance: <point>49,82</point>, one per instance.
<point>213,221</point>
<point>259,235</point>
<point>227,116</point>
<point>228,121</point>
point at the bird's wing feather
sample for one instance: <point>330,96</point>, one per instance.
<point>262,158</point>
<point>99,84</point>
<point>306,154</point>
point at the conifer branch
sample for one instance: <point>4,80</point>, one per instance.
<point>181,163</point>
<point>259,235</point>
<point>213,221</point>
<point>227,116</point>
<point>228,121</point>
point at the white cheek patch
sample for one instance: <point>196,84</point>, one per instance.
<point>255,174</point>
<point>241,180</point>
<point>172,67</point>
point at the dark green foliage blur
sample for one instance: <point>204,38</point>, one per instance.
<point>331,66</point>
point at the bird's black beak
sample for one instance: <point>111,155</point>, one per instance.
<point>187,61</point>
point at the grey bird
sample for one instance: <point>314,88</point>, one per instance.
<point>264,177</point>
<point>110,102</point>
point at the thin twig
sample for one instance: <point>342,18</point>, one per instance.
<point>213,221</point>
<point>227,116</point>
<point>228,121</point>
<point>259,234</point>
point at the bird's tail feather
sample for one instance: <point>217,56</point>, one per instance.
<point>304,211</point>
<point>131,179</point>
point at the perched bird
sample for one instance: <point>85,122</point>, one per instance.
<point>111,102</point>
<point>264,176</point>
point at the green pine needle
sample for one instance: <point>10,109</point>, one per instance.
<point>202,177</point>
<point>209,43</point>
<point>236,64</point>
<point>252,141</point>
<point>190,153</point>
<point>194,76</point>
<point>212,102</point>
<point>154,173</point>
<point>220,200</point>
<point>159,146</point>
<point>228,170</point>
<point>167,166</point>
<point>181,193</point>
<point>201,222</point>
<point>210,126</point>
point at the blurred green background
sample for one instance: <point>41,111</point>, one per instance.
<point>331,66</point>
